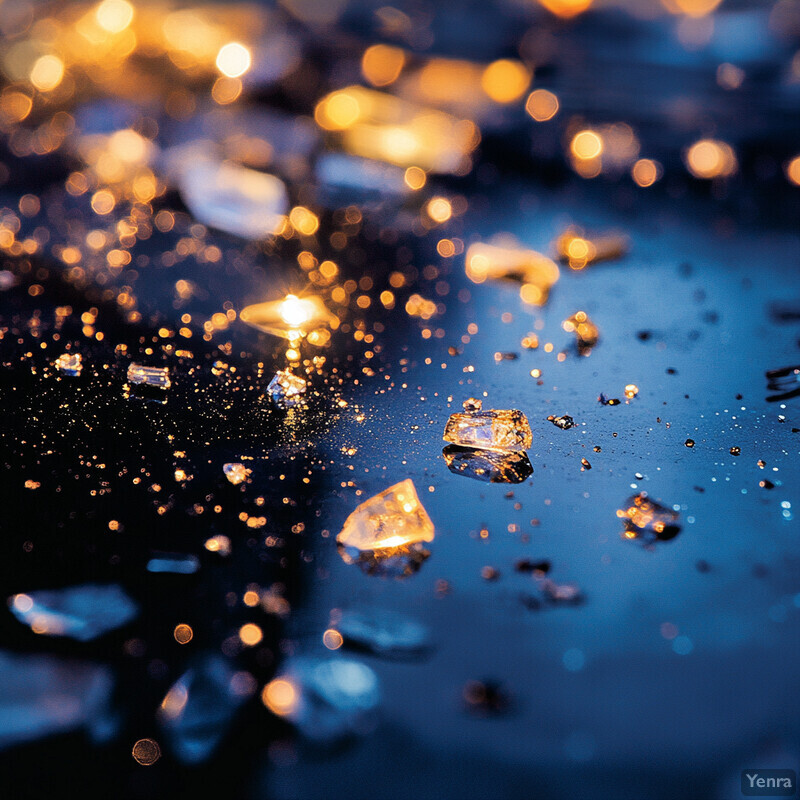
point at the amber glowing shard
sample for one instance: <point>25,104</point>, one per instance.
<point>149,376</point>
<point>392,519</point>
<point>578,250</point>
<point>647,520</point>
<point>506,430</point>
<point>291,318</point>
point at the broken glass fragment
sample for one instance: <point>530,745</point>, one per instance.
<point>488,465</point>
<point>648,520</point>
<point>149,376</point>
<point>69,364</point>
<point>504,430</point>
<point>199,708</point>
<point>286,390</point>
<point>383,632</point>
<point>174,563</point>
<point>565,422</point>
<point>78,612</point>
<point>44,695</point>
<point>325,699</point>
<point>587,334</point>
<point>236,473</point>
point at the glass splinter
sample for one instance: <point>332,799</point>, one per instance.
<point>286,389</point>
<point>150,376</point>
<point>487,465</point>
<point>648,520</point>
<point>69,364</point>
<point>503,430</point>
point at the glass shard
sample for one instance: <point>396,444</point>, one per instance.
<point>383,632</point>
<point>78,612</point>
<point>69,364</point>
<point>236,473</point>
<point>565,422</point>
<point>394,518</point>
<point>199,708</point>
<point>325,699</point>
<point>41,695</point>
<point>149,376</point>
<point>587,334</point>
<point>488,465</point>
<point>503,430</point>
<point>175,563</point>
<point>233,198</point>
<point>286,389</point>
<point>291,318</point>
<point>647,520</point>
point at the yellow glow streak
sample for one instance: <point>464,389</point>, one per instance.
<point>505,80</point>
<point>233,60</point>
<point>382,64</point>
<point>296,312</point>
<point>692,8</point>
<point>47,73</point>
<point>541,105</point>
<point>280,697</point>
<point>114,15</point>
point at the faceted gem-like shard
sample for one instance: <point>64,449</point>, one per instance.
<point>488,465</point>
<point>199,708</point>
<point>382,632</point>
<point>286,389</point>
<point>388,562</point>
<point>393,518</point>
<point>565,423</point>
<point>503,430</point>
<point>69,364</point>
<point>233,198</point>
<point>78,612</point>
<point>325,699</point>
<point>149,376</point>
<point>648,520</point>
<point>291,318</point>
<point>236,473</point>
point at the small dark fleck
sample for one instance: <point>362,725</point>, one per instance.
<point>671,371</point>
<point>689,442</point>
<point>565,423</point>
<point>530,602</point>
<point>736,451</point>
<point>699,489</point>
<point>597,448</point>
<point>703,566</point>
<point>765,484</point>
<point>526,565</point>
<point>586,464</point>
<point>739,396</point>
<point>607,401</point>
<point>643,336</point>
<point>760,571</point>
<point>486,697</point>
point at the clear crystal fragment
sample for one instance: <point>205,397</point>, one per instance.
<point>393,518</point>
<point>383,632</point>
<point>78,612</point>
<point>70,364</point>
<point>286,389</point>
<point>503,430</point>
<point>41,695</point>
<point>236,473</point>
<point>199,708</point>
<point>291,318</point>
<point>647,520</point>
<point>325,699</point>
<point>488,465</point>
<point>149,376</point>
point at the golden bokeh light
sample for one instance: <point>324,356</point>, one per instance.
<point>146,752</point>
<point>541,105</point>
<point>280,696</point>
<point>645,172</point>
<point>233,60</point>
<point>250,634</point>
<point>692,8</point>
<point>566,8</point>
<point>710,158</point>
<point>47,73</point>
<point>586,145</point>
<point>505,80</point>
<point>382,64</point>
<point>183,634</point>
<point>415,178</point>
<point>793,170</point>
<point>114,15</point>
<point>439,209</point>
<point>332,639</point>
<point>305,222</point>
